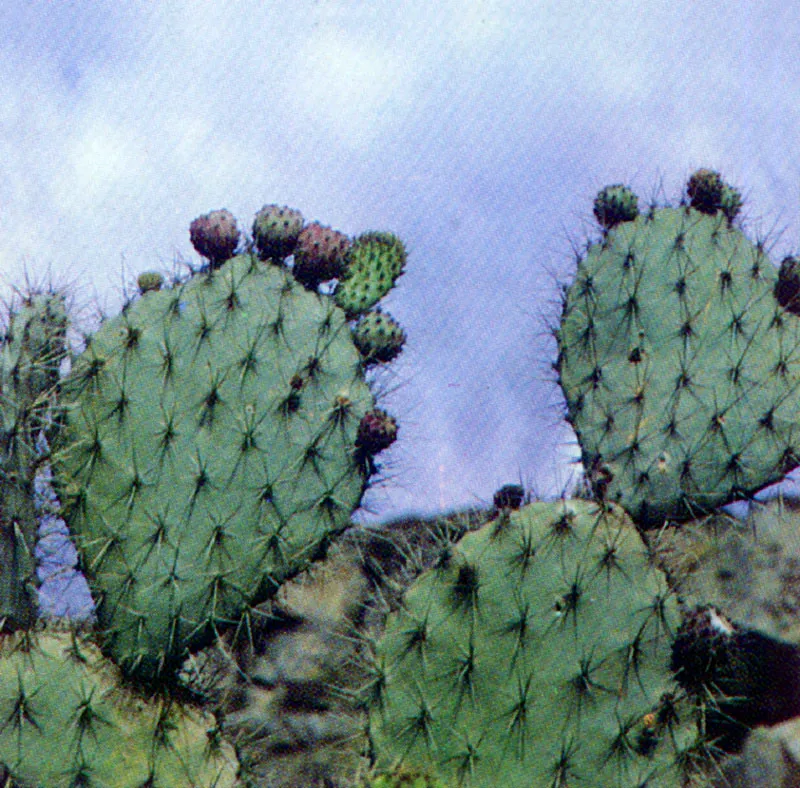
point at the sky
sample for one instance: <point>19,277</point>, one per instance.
<point>479,132</point>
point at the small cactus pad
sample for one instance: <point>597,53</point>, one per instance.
<point>537,655</point>
<point>31,353</point>
<point>379,337</point>
<point>679,366</point>
<point>66,720</point>
<point>150,281</point>
<point>615,204</point>
<point>275,231</point>
<point>320,255</point>
<point>375,262</point>
<point>209,454</point>
<point>215,236</point>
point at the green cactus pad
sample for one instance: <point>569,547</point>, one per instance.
<point>209,454</point>
<point>375,261</point>
<point>67,720</point>
<point>680,369</point>
<point>538,654</point>
<point>30,356</point>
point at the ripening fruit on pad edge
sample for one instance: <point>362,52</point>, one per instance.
<point>208,454</point>
<point>538,654</point>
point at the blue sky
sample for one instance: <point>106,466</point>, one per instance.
<point>477,131</point>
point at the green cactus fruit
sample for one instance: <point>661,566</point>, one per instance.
<point>379,337</point>
<point>614,205</point>
<point>374,264</point>
<point>537,653</point>
<point>275,231</point>
<point>150,281</point>
<point>320,255</point>
<point>30,356</point>
<point>678,366</point>
<point>209,454</point>
<point>66,719</point>
<point>215,236</point>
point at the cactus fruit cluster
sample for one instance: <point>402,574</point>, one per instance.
<point>210,444</point>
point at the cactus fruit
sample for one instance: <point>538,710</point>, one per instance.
<point>615,204</point>
<point>787,289</point>
<point>374,263</point>
<point>679,366</point>
<point>379,337</point>
<point>376,432</point>
<point>209,453</point>
<point>150,281</point>
<point>320,255</point>
<point>275,231</point>
<point>509,496</point>
<point>215,236</point>
<point>30,356</point>
<point>67,720</point>
<point>536,654</point>
<point>708,193</point>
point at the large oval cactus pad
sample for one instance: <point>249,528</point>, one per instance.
<point>538,654</point>
<point>208,453</point>
<point>680,369</point>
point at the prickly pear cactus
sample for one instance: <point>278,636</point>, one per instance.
<point>538,654</point>
<point>678,364</point>
<point>30,356</point>
<point>209,453</point>
<point>67,720</point>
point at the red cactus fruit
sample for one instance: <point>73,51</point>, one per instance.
<point>320,255</point>
<point>376,432</point>
<point>215,236</point>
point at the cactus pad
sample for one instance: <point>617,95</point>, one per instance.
<point>66,720</point>
<point>375,262</point>
<point>538,654</point>
<point>209,454</point>
<point>680,368</point>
